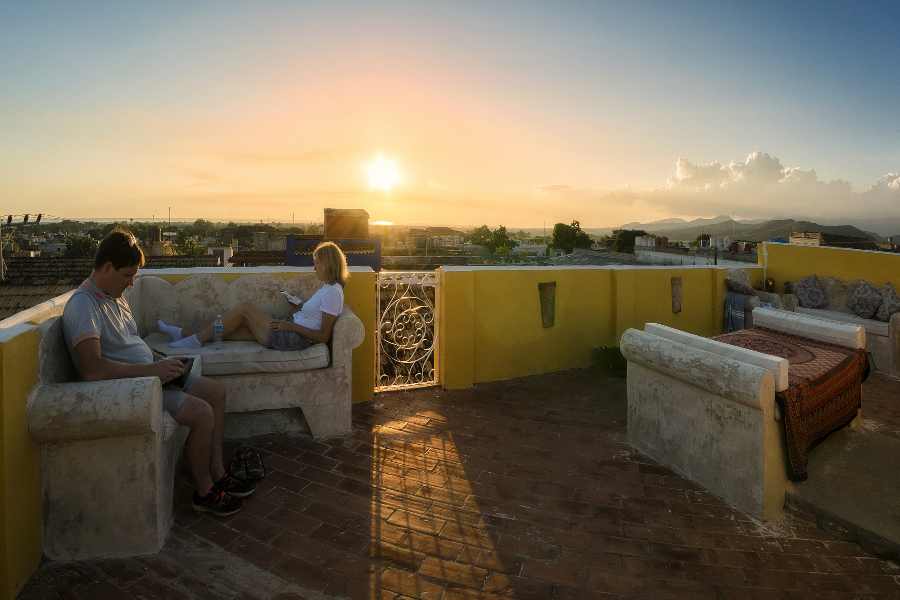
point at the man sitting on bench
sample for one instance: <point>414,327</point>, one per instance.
<point>103,341</point>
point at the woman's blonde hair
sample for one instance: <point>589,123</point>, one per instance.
<point>333,262</point>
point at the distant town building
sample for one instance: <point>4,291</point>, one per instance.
<point>539,250</point>
<point>224,252</point>
<point>817,238</point>
<point>346,224</point>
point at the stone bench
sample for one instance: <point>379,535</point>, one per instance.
<point>267,390</point>
<point>107,473</point>
<point>882,337</point>
<point>707,410</point>
<point>107,468</point>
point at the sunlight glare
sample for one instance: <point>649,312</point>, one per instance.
<point>383,174</point>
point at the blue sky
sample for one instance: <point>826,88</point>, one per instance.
<point>501,112</point>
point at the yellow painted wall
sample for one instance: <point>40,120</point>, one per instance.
<point>490,318</point>
<point>509,339</point>
<point>790,262</point>
<point>20,476</point>
<point>359,295</point>
<point>456,320</point>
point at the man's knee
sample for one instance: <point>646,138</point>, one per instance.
<point>211,391</point>
<point>195,413</point>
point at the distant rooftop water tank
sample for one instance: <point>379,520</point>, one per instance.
<point>346,223</point>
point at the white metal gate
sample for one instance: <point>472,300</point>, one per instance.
<point>406,332</point>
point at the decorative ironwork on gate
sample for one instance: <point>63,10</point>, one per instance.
<point>406,336</point>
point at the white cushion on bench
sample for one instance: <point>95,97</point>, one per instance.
<point>777,365</point>
<point>814,328</point>
<point>873,326</point>
<point>245,357</point>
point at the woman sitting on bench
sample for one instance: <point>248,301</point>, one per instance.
<point>312,324</point>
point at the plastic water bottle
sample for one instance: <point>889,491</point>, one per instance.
<point>217,333</point>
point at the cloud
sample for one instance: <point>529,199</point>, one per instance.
<point>758,187</point>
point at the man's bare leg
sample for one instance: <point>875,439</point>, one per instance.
<point>213,394</point>
<point>200,417</point>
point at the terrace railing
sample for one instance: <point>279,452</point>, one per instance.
<point>406,332</point>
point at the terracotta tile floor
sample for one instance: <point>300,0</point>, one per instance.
<point>515,489</point>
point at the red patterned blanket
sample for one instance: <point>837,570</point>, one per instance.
<point>825,386</point>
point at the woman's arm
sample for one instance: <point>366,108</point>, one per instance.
<point>320,336</point>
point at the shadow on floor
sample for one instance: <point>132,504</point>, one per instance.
<point>516,489</point>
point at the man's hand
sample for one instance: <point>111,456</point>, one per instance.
<point>167,369</point>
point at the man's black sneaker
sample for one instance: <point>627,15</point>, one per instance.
<point>233,486</point>
<point>217,502</point>
<point>254,464</point>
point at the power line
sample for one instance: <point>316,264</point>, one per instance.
<point>27,218</point>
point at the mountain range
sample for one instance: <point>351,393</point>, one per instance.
<point>755,230</point>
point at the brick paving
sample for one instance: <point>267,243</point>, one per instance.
<point>516,489</point>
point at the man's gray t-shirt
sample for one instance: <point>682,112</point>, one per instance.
<point>90,313</point>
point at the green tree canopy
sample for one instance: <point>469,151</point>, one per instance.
<point>202,228</point>
<point>81,246</point>
<point>480,235</point>
<point>623,239</point>
<point>569,237</point>
<point>500,243</point>
<point>187,246</point>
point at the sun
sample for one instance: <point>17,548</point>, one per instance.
<point>383,174</point>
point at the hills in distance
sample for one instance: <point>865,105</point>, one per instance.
<point>749,230</point>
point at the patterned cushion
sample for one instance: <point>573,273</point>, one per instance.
<point>890,303</point>
<point>740,288</point>
<point>810,293</point>
<point>865,300</point>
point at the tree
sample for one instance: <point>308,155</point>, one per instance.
<point>521,234</point>
<point>188,246</point>
<point>81,246</point>
<point>569,237</point>
<point>480,235</point>
<point>702,236</point>
<point>623,239</point>
<point>202,228</point>
<point>499,243</point>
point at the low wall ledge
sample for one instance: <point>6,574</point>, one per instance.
<point>729,378</point>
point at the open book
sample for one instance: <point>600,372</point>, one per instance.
<point>292,298</point>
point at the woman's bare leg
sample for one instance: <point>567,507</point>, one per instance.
<point>241,335</point>
<point>245,316</point>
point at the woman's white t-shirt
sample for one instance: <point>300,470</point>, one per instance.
<point>329,298</point>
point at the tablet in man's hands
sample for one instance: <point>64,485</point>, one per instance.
<point>181,379</point>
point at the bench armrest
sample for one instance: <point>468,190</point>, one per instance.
<point>789,302</point>
<point>741,382</point>
<point>894,327</point>
<point>95,409</point>
<point>348,332</point>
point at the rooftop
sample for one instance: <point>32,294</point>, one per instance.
<point>524,488</point>
<point>30,281</point>
<point>594,257</point>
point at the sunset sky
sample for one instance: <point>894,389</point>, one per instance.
<point>514,113</point>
